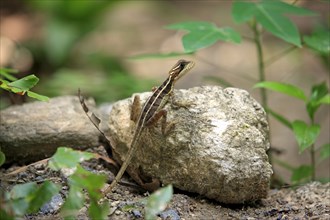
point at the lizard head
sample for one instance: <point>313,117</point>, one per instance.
<point>180,69</point>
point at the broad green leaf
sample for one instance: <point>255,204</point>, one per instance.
<point>319,41</point>
<point>23,190</point>
<point>305,135</point>
<point>19,206</point>
<point>243,11</point>
<point>89,181</point>
<point>301,173</point>
<point>68,158</point>
<point>25,83</point>
<point>280,26</point>
<point>157,202</point>
<point>318,92</point>
<point>159,55</point>
<point>7,73</point>
<point>74,202</point>
<point>280,118</point>
<point>44,193</point>
<point>204,34</point>
<point>325,151</point>
<point>98,211</point>
<point>37,96</point>
<point>287,89</point>
<point>2,158</point>
<point>29,197</point>
<point>270,14</point>
<point>325,99</point>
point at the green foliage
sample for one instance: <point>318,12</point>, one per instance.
<point>319,95</point>
<point>280,118</point>
<point>305,135</point>
<point>204,34</point>
<point>319,41</point>
<point>270,14</point>
<point>325,151</point>
<point>68,158</point>
<point>67,23</point>
<point>20,86</point>
<point>27,198</point>
<point>80,180</point>
<point>287,89</point>
<point>301,173</point>
<point>157,202</point>
<point>2,158</point>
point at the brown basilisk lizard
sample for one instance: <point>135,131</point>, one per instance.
<point>152,111</point>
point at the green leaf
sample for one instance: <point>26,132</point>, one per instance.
<point>25,83</point>
<point>204,34</point>
<point>243,11</point>
<point>68,158</point>
<point>73,203</point>
<point>29,197</point>
<point>23,190</point>
<point>7,73</point>
<point>325,99</point>
<point>159,55</point>
<point>44,193</point>
<point>92,183</point>
<point>318,92</point>
<point>89,181</point>
<point>325,151</point>
<point>287,89</point>
<point>301,173</point>
<point>304,134</point>
<point>280,118</point>
<point>157,201</point>
<point>2,158</point>
<point>19,206</point>
<point>98,211</point>
<point>319,41</point>
<point>270,14</point>
<point>37,96</point>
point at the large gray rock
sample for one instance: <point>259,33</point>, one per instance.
<point>217,147</point>
<point>34,130</point>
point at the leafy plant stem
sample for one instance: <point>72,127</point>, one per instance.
<point>312,152</point>
<point>261,69</point>
<point>261,64</point>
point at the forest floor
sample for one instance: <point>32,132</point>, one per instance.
<point>309,201</point>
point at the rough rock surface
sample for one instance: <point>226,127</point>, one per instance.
<point>34,130</point>
<point>217,147</point>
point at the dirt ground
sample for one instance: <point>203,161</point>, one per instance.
<point>309,201</point>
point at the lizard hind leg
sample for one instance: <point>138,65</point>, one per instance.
<point>135,109</point>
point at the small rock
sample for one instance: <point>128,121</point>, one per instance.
<point>136,213</point>
<point>34,131</point>
<point>170,214</point>
<point>53,205</point>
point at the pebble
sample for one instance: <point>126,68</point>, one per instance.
<point>170,214</point>
<point>53,205</point>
